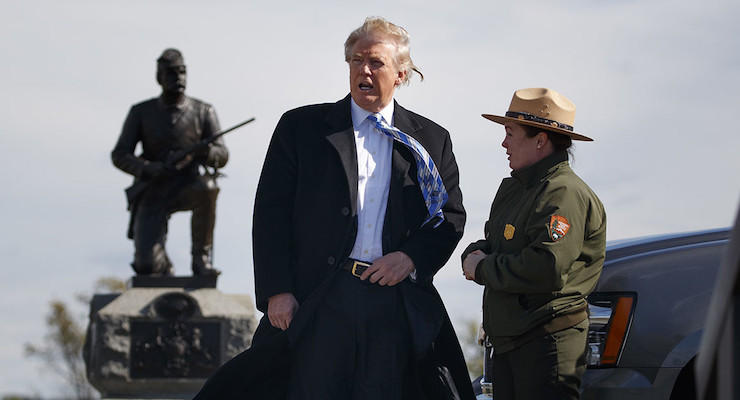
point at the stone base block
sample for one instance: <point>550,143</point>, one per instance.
<point>153,342</point>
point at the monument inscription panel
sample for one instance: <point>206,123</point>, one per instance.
<point>174,349</point>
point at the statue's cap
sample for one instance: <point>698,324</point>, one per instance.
<point>171,57</point>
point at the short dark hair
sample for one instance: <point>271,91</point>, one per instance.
<point>559,141</point>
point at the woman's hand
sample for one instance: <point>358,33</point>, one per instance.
<point>471,262</point>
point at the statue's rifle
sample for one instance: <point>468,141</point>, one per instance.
<point>138,188</point>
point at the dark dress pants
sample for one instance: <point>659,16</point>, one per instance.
<point>548,367</point>
<point>357,346</point>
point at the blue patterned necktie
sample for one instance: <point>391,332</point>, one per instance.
<point>432,188</point>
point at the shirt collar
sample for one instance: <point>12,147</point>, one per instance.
<point>359,114</point>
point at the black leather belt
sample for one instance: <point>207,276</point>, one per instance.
<point>355,267</point>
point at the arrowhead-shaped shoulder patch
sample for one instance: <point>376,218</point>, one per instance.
<point>558,228</point>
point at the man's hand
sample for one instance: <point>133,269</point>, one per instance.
<point>390,269</point>
<point>280,309</point>
<point>471,262</point>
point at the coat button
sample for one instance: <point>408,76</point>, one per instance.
<point>331,260</point>
<point>345,211</point>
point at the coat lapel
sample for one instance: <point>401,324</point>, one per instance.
<point>402,159</point>
<point>341,137</point>
<point>403,120</point>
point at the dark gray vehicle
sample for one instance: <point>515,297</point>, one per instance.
<point>647,317</point>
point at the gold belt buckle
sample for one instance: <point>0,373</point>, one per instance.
<point>356,264</point>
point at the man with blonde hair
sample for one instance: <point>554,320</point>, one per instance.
<point>358,206</point>
<point>396,34</point>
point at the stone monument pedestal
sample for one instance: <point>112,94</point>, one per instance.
<point>164,336</point>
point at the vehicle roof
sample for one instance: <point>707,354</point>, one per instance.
<point>629,247</point>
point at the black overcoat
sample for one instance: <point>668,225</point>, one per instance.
<point>305,223</point>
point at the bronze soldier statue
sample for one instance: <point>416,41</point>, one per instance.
<point>169,174</point>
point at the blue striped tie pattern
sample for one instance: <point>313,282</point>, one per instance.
<point>432,188</point>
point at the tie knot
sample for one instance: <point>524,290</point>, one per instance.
<point>375,117</point>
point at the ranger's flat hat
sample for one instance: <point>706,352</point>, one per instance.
<point>541,108</point>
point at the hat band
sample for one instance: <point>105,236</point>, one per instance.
<point>533,118</point>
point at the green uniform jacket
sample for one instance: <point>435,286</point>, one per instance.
<point>546,242</point>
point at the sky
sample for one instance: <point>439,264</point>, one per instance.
<point>655,83</point>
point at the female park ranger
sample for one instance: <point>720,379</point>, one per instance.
<point>542,254</point>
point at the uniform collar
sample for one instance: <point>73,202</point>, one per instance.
<point>179,106</point>
<point>533,174</point>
